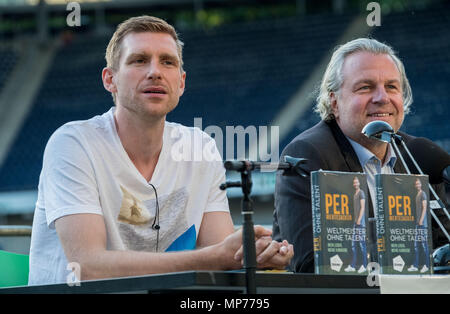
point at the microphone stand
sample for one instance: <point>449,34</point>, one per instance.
<point>248,232</point>
<point>438,200</point>
<point>382,131</point>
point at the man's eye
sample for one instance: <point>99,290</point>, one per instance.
<point>365,87</point>
<point>168,62</point>
<point>138,61</point>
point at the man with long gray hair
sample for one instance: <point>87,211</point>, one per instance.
<point>364,81</point>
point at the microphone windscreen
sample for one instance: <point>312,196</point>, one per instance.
<point>430,157</point>
<point>236,165</point>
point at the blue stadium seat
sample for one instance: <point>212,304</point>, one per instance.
<point>239,74</point>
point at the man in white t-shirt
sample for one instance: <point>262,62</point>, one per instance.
<point>119,191</point>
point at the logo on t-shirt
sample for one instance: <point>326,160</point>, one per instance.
<point>132,210</point>
<point>176,232</point>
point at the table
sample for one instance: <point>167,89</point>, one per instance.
<point>211,281</point>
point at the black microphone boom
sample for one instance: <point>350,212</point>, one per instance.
<point>289,166</point>
<point>430,157</point>
<point>382,131</point>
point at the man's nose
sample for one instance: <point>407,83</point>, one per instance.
<point>380,96</point>
<point>154,71</point>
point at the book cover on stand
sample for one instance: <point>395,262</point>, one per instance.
<point>340,219</point>
<point>403,224</point>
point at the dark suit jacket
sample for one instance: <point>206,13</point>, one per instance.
<point>326,148</point>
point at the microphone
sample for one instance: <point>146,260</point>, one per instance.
<point>289,164</point>
<point>431,157</point>
<point>382,131</point>
<point>248,236</point>
<point>378,130</point>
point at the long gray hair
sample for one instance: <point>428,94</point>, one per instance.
<point>332,79</point>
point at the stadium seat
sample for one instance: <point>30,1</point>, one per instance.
<point>238,74</point>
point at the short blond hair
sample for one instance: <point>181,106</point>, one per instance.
<point>139,24</point>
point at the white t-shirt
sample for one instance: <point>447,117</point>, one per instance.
<point>87,170</point>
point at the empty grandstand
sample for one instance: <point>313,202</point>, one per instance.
<point>247,70</point>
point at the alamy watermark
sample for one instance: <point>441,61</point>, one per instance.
<point>235,142</point>
<point>74,17</point>
<point>73,278</point>
<point>374,17</point>
<point>374,271</point>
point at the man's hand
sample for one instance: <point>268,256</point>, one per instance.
<point>277,255</point>
<point>269,253</point>
<point>232,245</point>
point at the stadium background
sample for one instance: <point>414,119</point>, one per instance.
<point>248,63</point>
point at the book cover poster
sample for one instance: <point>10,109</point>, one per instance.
<point>340,220</point>
<point>404,241</point>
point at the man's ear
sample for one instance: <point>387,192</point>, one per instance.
<point>334,104</point>
<point>108,82</point>
<point>183,82</point>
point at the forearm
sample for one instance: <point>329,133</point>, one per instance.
<point>362,206</point>
<point>360,217</point>
<point>424,210</point>
<point>84,242</point>
<point>110,264</point>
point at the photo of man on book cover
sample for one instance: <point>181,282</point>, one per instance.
<point>340,219</point>
<point>359,227</point>
<point>421,242</point>
<point>403,224</point>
